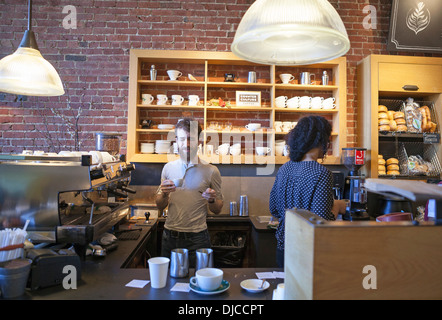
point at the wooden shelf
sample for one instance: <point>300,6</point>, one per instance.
<point>209,68</point>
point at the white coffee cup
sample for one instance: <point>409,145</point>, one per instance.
<point>158,268</point>
<point>208,279</point>
<point>278,126</point>
<point>235,151</point>
<point>146,98</point>
<point>178,182</point>
<point>286,151</point>
<point>174,74</point>
<point>281,101</point>
<point>279,142</point>
<point>316,102</point>
<point>161,99</point>
<point>279,149</point>
<point>286,126</point>
<point>328,103</point>
<point>177,100</point>
<point>253,126</point>
<point>262,150</point>
<point>293,102</point>
<point>286,77</point>
<point>209,150</point>
<point>223,149</point>
<point>193,100</point>
<point>278,293</point>
<point>304,102</point>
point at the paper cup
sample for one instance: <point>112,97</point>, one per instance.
<point>158,268</point>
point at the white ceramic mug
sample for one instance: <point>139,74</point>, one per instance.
<point>161,99</point>
<point>146,98</point>
<point>208,279</point>
<point>316,102</point>
<point>193,100</point>
<point>178,182</point>
<point>253,126</point>
<point>279,149</point>
<point>281,101</point>
<point>304,102</point>
<point>262,150</point>
<point>223,149</point>
<point>174,74</point>
<point>177,100</point>
<point>293,102</point>
<point>286,77</point>
<point>286,126</point>
<point>328,103</point>
<point>235,151</point>
<point>278,293</point>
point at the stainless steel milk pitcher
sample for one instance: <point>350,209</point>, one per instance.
<point>179,263</point>
<point>243,206</point>
<point>204,258</point>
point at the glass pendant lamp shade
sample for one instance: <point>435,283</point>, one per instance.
<point>290,32</point>
<point>26,72</point>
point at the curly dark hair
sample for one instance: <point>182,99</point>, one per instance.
<point>310,132</point>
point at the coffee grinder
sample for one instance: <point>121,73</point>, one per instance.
<point>354,160</point>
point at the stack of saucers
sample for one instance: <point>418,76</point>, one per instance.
<point>162,146</point>
<point>147,147</point>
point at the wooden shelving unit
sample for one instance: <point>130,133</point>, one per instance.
<point>387,78</point>
<point>209,69</point>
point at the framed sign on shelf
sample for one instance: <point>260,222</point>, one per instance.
<point>248,98</point>
<point>415,26</point>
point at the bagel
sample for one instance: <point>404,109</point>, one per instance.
<point>402,128</point>
<point>393,172</point>
<point>393,125</point>
<point>381,161</point>
<point>392,161</point>
<point>384,128</point>
<point>382,108</point>
<point>398,114</point>
<point>393,167</point>
<point>400,121</point>
<point>382,115</point>
<point>384,122</point>
<point>390,114</point>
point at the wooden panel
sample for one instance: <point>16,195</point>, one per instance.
<point>406,259</point>
<point>393,76</point>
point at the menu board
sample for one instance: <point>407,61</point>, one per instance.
<point>416,25</point>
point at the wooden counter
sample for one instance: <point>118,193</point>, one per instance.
<point>361,260</point>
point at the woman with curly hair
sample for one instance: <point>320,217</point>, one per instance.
<point>302,182</point>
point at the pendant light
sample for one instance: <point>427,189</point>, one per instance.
<point>26,72</point>
<point>290,32</point>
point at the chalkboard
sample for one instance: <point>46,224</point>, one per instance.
<point>416,25</point>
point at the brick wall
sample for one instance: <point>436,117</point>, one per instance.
<point>93,60</point>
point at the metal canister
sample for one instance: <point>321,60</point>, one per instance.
<point>243,206</point>
<point>325,78</point>
<point>233,208</point>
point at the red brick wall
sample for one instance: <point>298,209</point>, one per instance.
<point>93,60</point>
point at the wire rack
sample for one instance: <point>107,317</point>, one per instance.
<point>426,154</point>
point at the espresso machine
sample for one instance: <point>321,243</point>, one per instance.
<point>354,189</point>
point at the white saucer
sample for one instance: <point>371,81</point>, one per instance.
<point>223,287</point>
<point>254,285</point>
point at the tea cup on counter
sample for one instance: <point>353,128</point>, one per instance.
<point>293,102</point>
<point>253,126</point>
<point>146,98</point>
<point>161,99</point>
<point>286,77</point>
<point>304,102</point>
<point>280,101</point>
<point>174,74</point>
<point>328,103</point>
<point>177,100</point>
<point>316,102</point>
<point>207,279</point>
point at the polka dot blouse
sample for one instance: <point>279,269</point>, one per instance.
<point>303,185</point>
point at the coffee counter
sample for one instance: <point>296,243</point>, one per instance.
<point>104,278</point>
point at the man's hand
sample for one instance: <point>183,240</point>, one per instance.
<point>209,195</point>
<point>167,186</point>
